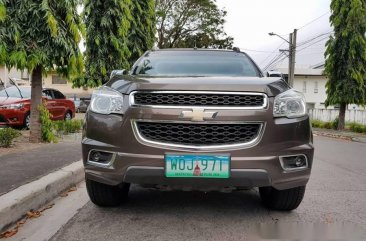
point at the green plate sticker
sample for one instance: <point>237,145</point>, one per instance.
<point>197,166</point>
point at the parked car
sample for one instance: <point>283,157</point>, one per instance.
<point>15,105</point>
<point>76,103</point>
<point>197,119</point>
<point>83,105</point>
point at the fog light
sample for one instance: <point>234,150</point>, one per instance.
<point>100,157</point>
<point>95,156</point>
<point>294,163</point>
<point>300,161</point>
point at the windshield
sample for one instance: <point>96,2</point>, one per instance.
<point>195,63</point>
<point>13,92</point>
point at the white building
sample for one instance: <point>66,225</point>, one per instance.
<point>311,81</point>
<point>52,80</point>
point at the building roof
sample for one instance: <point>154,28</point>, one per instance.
<point>304,71</point>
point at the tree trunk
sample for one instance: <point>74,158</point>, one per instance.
<point>36,100</point>
<point>342,116</point>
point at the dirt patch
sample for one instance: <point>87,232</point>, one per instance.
<point>21,144</point>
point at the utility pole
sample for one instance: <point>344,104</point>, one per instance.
<point>293,58</point>
<point>291,55</point>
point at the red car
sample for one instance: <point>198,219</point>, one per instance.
<point>15,106</point>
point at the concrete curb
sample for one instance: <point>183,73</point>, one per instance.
<point>340,136</point>
<point>15,204</point>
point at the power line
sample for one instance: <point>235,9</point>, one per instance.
<point>275,58</point>
<point>274,61</point>
<point>312,21</point>
<point>312,39</point>
<point>278,62</point>
<point>253,50</point>
<point>272,52</point>
<point>313,43</point>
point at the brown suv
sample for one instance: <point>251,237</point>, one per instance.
<point>197,119</point>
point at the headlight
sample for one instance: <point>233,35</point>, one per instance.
<point>106,101</point>
<point>13,106</point>
<point>290,104</point>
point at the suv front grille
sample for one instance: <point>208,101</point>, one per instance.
<point>209,99</point>
<point>199,134</point>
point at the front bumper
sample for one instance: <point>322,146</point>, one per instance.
<point>149,169</point>
<point>142,163</point>
<point>12,117</point>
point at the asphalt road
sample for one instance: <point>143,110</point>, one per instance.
<point>334,201</point>
<point>19,168</point>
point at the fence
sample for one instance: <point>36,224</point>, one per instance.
<point>358,116</point>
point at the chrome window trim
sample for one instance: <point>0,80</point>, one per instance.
<point>295,169</point>
<point>171,146</point>
<point>263,107</point>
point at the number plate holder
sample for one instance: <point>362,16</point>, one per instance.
<point>197,165</point>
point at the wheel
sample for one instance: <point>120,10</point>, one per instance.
<point>26,123</point>
<point>285,200</point>
<point>107,196</point>
<point>68,116</point>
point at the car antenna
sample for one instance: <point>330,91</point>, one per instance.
<point>15,84</point>
<point>2,83</point>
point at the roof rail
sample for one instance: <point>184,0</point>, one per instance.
<point>236,49</point>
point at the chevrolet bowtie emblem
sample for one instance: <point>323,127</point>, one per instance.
<point>198,114</point>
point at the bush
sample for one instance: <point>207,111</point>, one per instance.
<point>328,125</point>
<point>317,124</point>
<point>7,135</point>
<point>67,127</point>
<point>335,124</point>
<point>355,127</point>
<point>46,124</point>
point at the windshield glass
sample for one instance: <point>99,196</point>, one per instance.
<point>13,92</point>
<point>195,63</point>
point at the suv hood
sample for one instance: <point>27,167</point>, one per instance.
<point>270,86</point>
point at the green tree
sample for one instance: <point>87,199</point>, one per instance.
<point>345,64</point>
<point>186,23</point>
<point>142,32</point>
<point>40,36</point>
<point>107,26</point>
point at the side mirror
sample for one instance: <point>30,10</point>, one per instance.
<point>117,72</point>
<point>274,74</point>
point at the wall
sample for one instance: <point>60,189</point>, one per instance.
<point>358,116</point>
<point>66,89</point>
<point>4,74</point>
<point>23,78</point>
<point>317,99</point>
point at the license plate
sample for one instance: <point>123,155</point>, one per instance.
<point>197,166</point>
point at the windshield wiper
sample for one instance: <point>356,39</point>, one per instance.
<point>15,84</point>
<point>2,83</point>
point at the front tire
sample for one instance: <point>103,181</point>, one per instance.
<point>284,200</point>
<point>105,195</point>
<point>68,116</point>
<point>26,124</point>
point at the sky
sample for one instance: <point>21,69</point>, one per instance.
<point>250,21</point>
